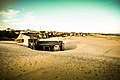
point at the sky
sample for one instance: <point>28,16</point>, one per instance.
<point>101,16</point>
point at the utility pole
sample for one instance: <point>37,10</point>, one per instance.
<point>40,28</point>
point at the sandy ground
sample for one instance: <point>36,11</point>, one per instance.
<point>84,58</point>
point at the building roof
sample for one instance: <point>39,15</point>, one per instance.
<point>29,35</point>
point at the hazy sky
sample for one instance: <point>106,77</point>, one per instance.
<point>61,15</point>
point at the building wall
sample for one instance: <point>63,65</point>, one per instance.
<point>25,40</point>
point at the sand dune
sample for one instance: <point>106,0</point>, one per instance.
<point>84,58</point>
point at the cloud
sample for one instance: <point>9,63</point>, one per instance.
<point>11,13</point>
<point>11,20</point>
<point>26,19</point>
